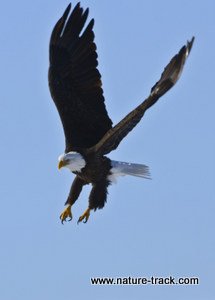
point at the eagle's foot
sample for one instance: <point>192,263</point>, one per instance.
<point>85,216</point>
<point>67,213</point>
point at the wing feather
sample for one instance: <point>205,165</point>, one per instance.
<point>75,82</point>
<point>169,77</point>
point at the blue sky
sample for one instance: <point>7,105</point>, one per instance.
<point>160,227</point>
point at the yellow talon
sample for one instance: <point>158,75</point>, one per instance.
<point>85,216</point>
<point>67,213</point>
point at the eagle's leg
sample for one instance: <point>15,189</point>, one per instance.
<point>97,199</point>
<point>74,193</point>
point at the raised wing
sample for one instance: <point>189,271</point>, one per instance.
<point>74,81</point>
<point>169,77</point>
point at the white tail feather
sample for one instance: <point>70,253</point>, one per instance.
<point>123,168</point>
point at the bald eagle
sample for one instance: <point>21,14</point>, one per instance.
<point>76,88</point>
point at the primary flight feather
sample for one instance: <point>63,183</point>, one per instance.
<point>76,88</point>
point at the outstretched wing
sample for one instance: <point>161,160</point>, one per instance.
<point>169,77</point>
<point>74,81</point>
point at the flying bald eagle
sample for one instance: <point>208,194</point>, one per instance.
<point>76,88</point>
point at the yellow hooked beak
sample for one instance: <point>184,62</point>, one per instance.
<point>61,164</point>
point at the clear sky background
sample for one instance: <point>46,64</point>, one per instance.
<point>160,227</point>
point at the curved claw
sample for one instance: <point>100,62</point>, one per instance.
<point>66,214</point>
<point>85,216</point>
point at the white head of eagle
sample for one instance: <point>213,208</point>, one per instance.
<point>74,161</point>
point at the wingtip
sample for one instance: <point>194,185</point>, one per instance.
<point>173,70</point>
<point>69,6</point>
<point>189,45</point>
<point>193,39</point>
<point>87,11</point>
<point>90,25</point>
<point>78,5</point>
<point>85,14</point>
<point>67,10</point>
<point>92,22</point>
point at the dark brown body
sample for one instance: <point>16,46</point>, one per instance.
<point>96,173</point>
